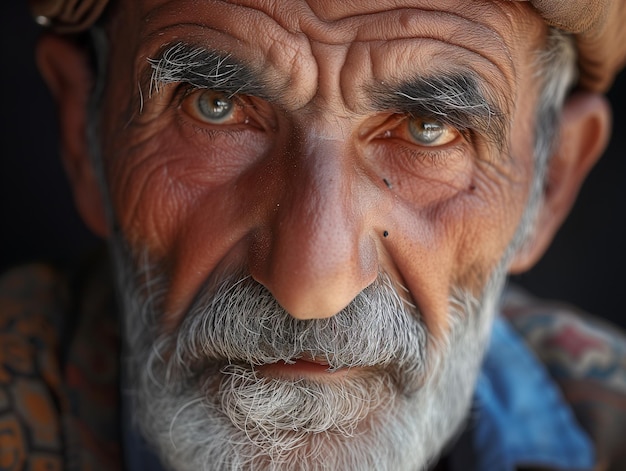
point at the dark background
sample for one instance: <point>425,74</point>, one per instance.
<point>583,266</point>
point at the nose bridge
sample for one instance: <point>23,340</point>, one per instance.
<point>319,255</point>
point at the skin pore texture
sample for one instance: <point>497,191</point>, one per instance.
<point>313,210</point>
<point>307,224</point>
<point>290,190</point>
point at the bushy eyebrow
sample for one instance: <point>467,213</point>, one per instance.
<point>454,99</point>
<point>203,68</point>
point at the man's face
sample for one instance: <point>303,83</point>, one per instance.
<point>326,173</point>
<point>310,152</point>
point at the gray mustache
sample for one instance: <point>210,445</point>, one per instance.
<point>241,323</point>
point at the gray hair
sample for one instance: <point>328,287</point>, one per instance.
<point>556,67</point>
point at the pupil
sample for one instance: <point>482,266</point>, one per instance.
<point>214,106</point>
<point>425,132</point>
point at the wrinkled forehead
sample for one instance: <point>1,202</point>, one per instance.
<point>292,44</point>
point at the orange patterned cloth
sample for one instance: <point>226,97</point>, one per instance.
<point>58,394</point>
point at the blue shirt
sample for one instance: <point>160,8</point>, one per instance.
<point>521,418</point>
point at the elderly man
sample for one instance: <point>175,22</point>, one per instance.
<point>311,209</point>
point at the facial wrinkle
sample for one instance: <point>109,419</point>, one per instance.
<point>279,59</point>
<point>452,31</point>
<point>357,27</point>
<point>279,18</point>
<point>457,31</point>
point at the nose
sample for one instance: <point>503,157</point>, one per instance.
<point>316,251</point>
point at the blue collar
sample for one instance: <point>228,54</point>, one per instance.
<point>520,418</point>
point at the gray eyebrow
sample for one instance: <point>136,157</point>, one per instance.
<point>454,99</point>
<point>203,68</point>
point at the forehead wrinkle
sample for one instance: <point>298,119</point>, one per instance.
<point>358,26</point>
<point>280,54</point>
<point>332,10</point>
<point>448,27</point>
<point>263,85</point>
<point>455,36</point>
<point>491,30</point>
<point>299,17</point>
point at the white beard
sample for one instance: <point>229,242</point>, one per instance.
<point>201,404</point>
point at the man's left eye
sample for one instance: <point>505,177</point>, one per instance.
<point>214,107</point>
<point>430,133</point>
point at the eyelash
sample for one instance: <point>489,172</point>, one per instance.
<point>411,151</point>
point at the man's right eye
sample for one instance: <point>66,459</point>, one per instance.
<point>214,107</point>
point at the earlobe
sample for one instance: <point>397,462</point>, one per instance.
<point>584,131</point>
<point>66,71</point>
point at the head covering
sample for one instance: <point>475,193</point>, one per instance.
<point>598,26</point>
<point>67,16</point>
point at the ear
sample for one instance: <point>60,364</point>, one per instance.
<point>66,71</point>
<point>584,131</point>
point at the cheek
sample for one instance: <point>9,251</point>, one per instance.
<point>459,239</point>
<point>486,220</point>
<point>171,178</point>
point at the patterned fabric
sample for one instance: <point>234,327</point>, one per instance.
<point>587,358</point>
<point>520,417</point>
<point>59,370</point>
<point>58,393</point>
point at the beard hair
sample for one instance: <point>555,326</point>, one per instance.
<point>220,415</point>
<point>396,430</point>
<point>199,401</point>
